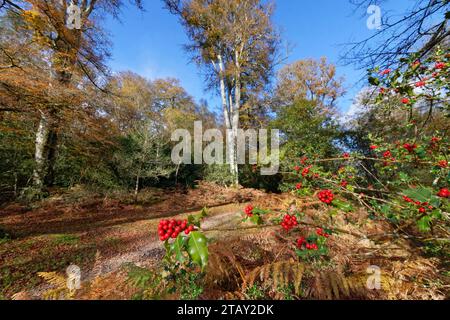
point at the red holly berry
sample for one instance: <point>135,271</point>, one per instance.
<point>440,65</point>
<point>298,186</point>
<point>373,147</point>
<point>405,101</point>
<point>385,72</point>
<point>443,164</point>
<point>171,229</point>
<point>326,196</point>
<point>387,154</point>
<point>300,242</point>
<point>444,193</point>
<point>346,155</point>
<point>422,210</point>
<point>249,210</point>
<point>420,84</point>
<point>297,168</point>
<point>344,184</point>
<point>435,140</point>
<point>410,147</point>
<point>289,222</point>
<point>305,171</point>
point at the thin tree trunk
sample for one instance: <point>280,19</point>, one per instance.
<point>40,154</point>
<point>52,146</point>
<point>136,187</point>
<point>226,106</point>
<point>235,120</point>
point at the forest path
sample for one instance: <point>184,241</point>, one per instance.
<point>150,250</point>
<point>143,248</point>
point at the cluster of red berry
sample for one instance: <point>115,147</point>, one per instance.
<point>440,65</point>
<point>305,171</point>
<point>309,246</point>
<point>289,222</point>
<point>172,228</point>
<point>410,147</point>
<point>298,186</point>
<point>387,154</point>
<point>423,206</point>
<point>249,210</point>
<point>322,233</point>
<point>443,164</point>
<point>406,101</point>
<point>344,183</point>
<point>326,196</point>
<point>444,193</point>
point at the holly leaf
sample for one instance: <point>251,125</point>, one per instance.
<point>424,224</point>
<point>177,248</point>
<point>256,219</point>
<point>198,249</point>
<point>374,81</point>
<point>197,219</point>
<point>259,211</point>
<point>204,213</point>
<point>343,206</point>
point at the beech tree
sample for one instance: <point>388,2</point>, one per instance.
<point>309,79</point>
<point>235,43</point>
<point>74,50</point>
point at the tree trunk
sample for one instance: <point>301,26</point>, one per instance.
<point>227,114</point>
<point>40,155</point>
<point>235,117</point>
<point>136,188</point>
<point>52,145</point>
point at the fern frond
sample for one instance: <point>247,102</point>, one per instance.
<point>54,279</point>
<point>276,275</point>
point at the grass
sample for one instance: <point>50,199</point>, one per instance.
<point>65,239</point>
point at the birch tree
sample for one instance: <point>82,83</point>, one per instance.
<point>235,43</point>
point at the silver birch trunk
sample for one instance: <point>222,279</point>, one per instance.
<point>40,153</point>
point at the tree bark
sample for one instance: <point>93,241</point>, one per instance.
<point>52,146</point>
<point>40,156</point>
<point>229,118</point>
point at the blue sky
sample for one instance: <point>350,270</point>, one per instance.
<point>150,42</point>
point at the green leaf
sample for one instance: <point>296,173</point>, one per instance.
<point>385,209</point>
<point>256,219</point>
<point>198,249</point>
<point>374,81</point>
<point>177,248</point>
<point>404,177</point>
<point>197,219</point>
<point>333,212</point>
<point>204,213</point>
<point>419,194</point>
<point>259,211</point>
<point>341,205</point>
<point>424,224</point>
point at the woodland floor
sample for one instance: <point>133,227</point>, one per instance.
<point>101,235</point>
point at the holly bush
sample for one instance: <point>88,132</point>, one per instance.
<point>188,245</point>
<point>411,175</point>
